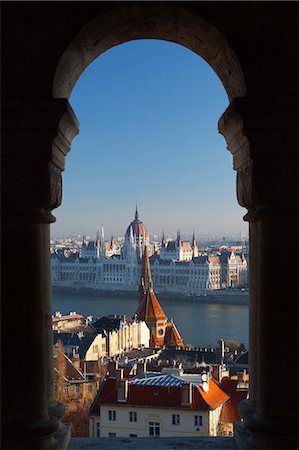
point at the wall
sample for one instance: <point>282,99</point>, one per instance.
<point>123,427</point>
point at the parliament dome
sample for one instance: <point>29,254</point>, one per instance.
<point>138,228</point>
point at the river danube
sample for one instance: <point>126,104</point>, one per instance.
<point>200,324</point>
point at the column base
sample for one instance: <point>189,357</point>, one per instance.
<point>63,437</point>
<point>63,432</point>
<point>37,434</point>
<point>242,437</point>
<point>270,433</point>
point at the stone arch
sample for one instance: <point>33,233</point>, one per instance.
<point>38,130</point>
<point>155,21</point>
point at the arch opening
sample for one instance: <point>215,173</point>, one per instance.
<point>163,22</point>
<point>102,99</point>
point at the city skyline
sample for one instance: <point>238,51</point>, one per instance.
<point>149,137</point>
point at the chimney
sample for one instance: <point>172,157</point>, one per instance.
<point>141,368</point>
<point>122,390</point>
<point>112,367</point>
<point>76,362</point>
<point>216,372</point>
<point>187,394</point>
<point>119,373</point>
<point>222,349</point>
<point>240,376</point>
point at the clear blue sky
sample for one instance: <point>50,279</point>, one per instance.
<point>148,113</point>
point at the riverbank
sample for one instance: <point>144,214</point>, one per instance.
<point>222,297</point>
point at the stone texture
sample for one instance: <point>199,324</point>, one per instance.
<point>152,443</point>
<point>252,49</point>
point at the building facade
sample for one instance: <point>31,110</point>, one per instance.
<point>176,268</point>
<point>157,404</point>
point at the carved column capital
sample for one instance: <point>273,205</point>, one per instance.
<point>264,157</point>
<point>37,135</point>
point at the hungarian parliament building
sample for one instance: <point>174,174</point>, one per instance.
<point>177,266</point>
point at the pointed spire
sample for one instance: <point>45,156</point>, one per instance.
<point>136,213</point>
<point>111,242</point>
<point>146,277</point>
<point>163,239</point>
<point>194,246</point>
<point>103,246</point>
<point>178,237</point>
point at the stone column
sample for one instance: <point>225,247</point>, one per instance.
<point>273,425</point>
<point>267,185</point>
<point>36,137</point>
<point>232,128</point>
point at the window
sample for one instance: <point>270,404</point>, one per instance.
<point>133,416</point>
<point>98,430</point>
<point>176,419</point>
<point>112,435</point>
<point>111,415</point>
<point>133,435</point>
<point>154,428</point>
<point>197,421</point>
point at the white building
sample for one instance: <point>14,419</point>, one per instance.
<point>178,268</point>
<point>157,404</point>
<point>130,335</point>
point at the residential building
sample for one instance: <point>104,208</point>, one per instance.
<point>157,404</point>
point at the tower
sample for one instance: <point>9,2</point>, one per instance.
<point>194,246</point>
<point>97,244</point>
<point>163,242</point>
<point>102,244</point>
<point>149,309</point>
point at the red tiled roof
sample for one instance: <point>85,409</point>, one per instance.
<point>150,309</point>
<point>161,396</point>
<point>172,336</point>
<point>229,412</point>
<point>215,395</point>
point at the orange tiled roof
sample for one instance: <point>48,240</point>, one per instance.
<point>229,412</point>
<point>164,396</point>
<point>214,259</point>
<point>172,335</point>
<point>214,397</point>
<point>150,309</point>
<point>186,246</point>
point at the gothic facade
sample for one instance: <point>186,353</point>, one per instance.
<point>177,268</point>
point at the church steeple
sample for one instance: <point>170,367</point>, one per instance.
<point>163,242</point>
<point>146,281</point>
<point>194,246</point>
<point>150,310</point>
<point>97,244</point>
<point>103,245</point>
<point>178,239</point>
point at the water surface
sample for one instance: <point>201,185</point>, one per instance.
<point>200,324</point>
